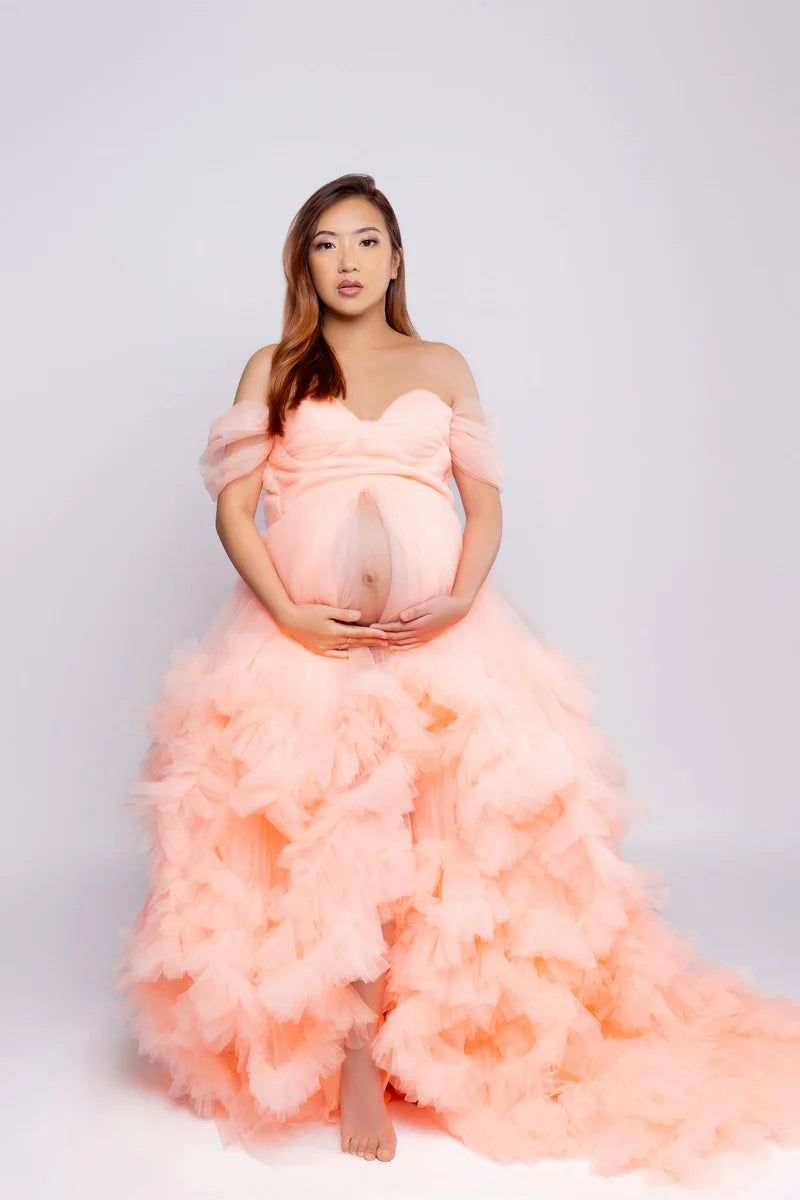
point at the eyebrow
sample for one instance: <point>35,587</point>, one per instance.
<point>363,229</point>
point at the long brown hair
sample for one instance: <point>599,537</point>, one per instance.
<point>303,364</point>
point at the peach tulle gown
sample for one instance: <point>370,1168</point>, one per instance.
<point>535,1000</point>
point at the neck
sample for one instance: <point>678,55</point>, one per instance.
<point>367,333</point>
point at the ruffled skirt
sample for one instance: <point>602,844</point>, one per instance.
<point>535,1000</point>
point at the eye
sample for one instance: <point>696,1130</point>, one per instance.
<point>322,245</point>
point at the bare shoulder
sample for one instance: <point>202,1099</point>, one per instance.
<point>254,382</point>
<point>455,379</point>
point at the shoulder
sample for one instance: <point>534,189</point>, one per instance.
<point>254,381</point>
<point>455,379</point>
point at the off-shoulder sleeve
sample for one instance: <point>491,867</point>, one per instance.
<point>237,443</point>
<point>474,445</point>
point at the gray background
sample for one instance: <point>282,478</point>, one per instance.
<point>598,204</point>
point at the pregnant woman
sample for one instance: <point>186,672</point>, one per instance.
<point>383,827</point>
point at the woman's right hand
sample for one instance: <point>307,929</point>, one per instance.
<point>323,628</point>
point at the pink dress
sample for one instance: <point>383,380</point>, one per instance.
<point>535,1000</point>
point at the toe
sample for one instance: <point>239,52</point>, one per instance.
<point>362,1142</point>
<point>385,1151</point>
<point>371,1147</point>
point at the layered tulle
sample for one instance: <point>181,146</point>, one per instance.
<point>535,999</point>
<point>238,442</point>
<point>474,446</point>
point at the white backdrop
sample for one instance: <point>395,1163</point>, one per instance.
<point>599,205</point>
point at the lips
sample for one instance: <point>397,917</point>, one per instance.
<point>349,286</point>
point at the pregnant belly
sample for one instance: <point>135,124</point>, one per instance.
<point>377,547</point>
<point>369,586</point>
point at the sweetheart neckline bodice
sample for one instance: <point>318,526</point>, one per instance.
<point>400,441</point>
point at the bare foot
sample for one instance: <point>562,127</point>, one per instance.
<point>365,1124</point>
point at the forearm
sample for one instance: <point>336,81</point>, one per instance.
<point>245,547</point>
<point>481,541</point>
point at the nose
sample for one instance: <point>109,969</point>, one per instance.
<point>346,257</point>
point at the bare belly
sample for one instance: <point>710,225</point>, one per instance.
<point>368,589</point>
<point>390,544</point>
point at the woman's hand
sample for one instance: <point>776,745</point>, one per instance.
<point>323,629</point>
<point>422,622</point>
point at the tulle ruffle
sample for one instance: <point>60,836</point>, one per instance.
<point>474,444</point>
<point>535,999</point>
<point>238,442</point>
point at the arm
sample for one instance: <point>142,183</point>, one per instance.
<point>476,470</point>
<point>237,504</point>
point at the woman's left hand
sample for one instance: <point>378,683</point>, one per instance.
<point>422,622</point>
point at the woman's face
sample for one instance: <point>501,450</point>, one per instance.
<point>351,244</point>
